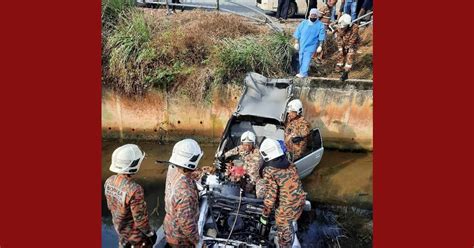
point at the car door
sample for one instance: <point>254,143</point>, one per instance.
<point>306,164</point>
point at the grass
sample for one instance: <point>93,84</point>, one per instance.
<point>112,10</point>
<point>131,54</point>
<point>269,55</point>
<point>190,52</point>
<point>362,67</point>
<point>146,50</point>
<point>162,77</point>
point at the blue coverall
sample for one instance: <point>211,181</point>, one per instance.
<point>309,36</point>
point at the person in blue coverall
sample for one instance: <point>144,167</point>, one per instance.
<point>309,36</point>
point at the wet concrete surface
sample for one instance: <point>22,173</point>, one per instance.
<point>341,181</point>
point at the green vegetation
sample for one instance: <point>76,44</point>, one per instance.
<point>112,10</point>
<point>164,76</point>
<point>181,56</point>
<point>191,52</point>
<point>269,55</point>
<point>131,53</point>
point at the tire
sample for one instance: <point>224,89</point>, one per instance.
<point>292,9</point>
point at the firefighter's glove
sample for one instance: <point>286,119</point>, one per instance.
<point>320,49</point>
<point>264,220</point>
<point>297,139</point>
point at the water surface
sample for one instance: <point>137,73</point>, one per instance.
<point>340,175</point>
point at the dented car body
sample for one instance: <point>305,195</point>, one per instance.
<point>229,216</point>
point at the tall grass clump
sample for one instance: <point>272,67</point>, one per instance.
<point>131,54</point>
<point>112,10</point>
<point>269,55</point>
<point>184,54</point>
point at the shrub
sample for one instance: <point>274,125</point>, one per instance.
<point>112,10</point>
<point>131,53</point>
<point>184,54</point>
<point>269,55</point>
<point>164,76</point>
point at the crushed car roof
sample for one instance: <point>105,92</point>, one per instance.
<point>265,97</point>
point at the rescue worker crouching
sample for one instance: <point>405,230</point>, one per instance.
<point>125,199</point>
<point>297,130</point>
<point>284,190</point>
<point>347,39</point>
<point>181,195</point>
<point>250,155</point>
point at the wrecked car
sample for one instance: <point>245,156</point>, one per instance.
<point>229,216</point>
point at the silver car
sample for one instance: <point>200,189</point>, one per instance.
<point>228,217</point>
<point>262,110</point>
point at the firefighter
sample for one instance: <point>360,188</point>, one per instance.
<point>297,130</point>
<point>181,195</point>
<point>250,155</point>
<point>328,12</point>
<point>347,39</point>
<point>125,199</point>
<point>284,191</point>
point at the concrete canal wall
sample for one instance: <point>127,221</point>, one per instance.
<point>342,110</point>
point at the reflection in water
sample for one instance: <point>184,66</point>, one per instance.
<point>335,226</point>
<point>322,231</point>
<point>322,227</point>
<point>342,178</point>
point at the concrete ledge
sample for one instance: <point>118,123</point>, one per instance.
<point>343,111</point>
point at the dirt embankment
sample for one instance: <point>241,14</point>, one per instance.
<point>187,53</point>
<point>190,52</point>
<point>362,68</point>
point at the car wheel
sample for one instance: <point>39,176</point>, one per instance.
<point>292,9</point>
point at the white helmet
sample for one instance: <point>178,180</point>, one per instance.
<point>344,21</point>
<point>247,137</point>
<point>186,154</point>
<point>315,11</point>
<point>127,159</point>
<point>270,149</point>
<point>295,105</point>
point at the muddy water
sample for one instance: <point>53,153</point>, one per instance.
<point>341,178</point>
<point>151,176</point>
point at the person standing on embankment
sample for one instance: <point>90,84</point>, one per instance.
<point>347,39</point>
<point>309,36</point>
